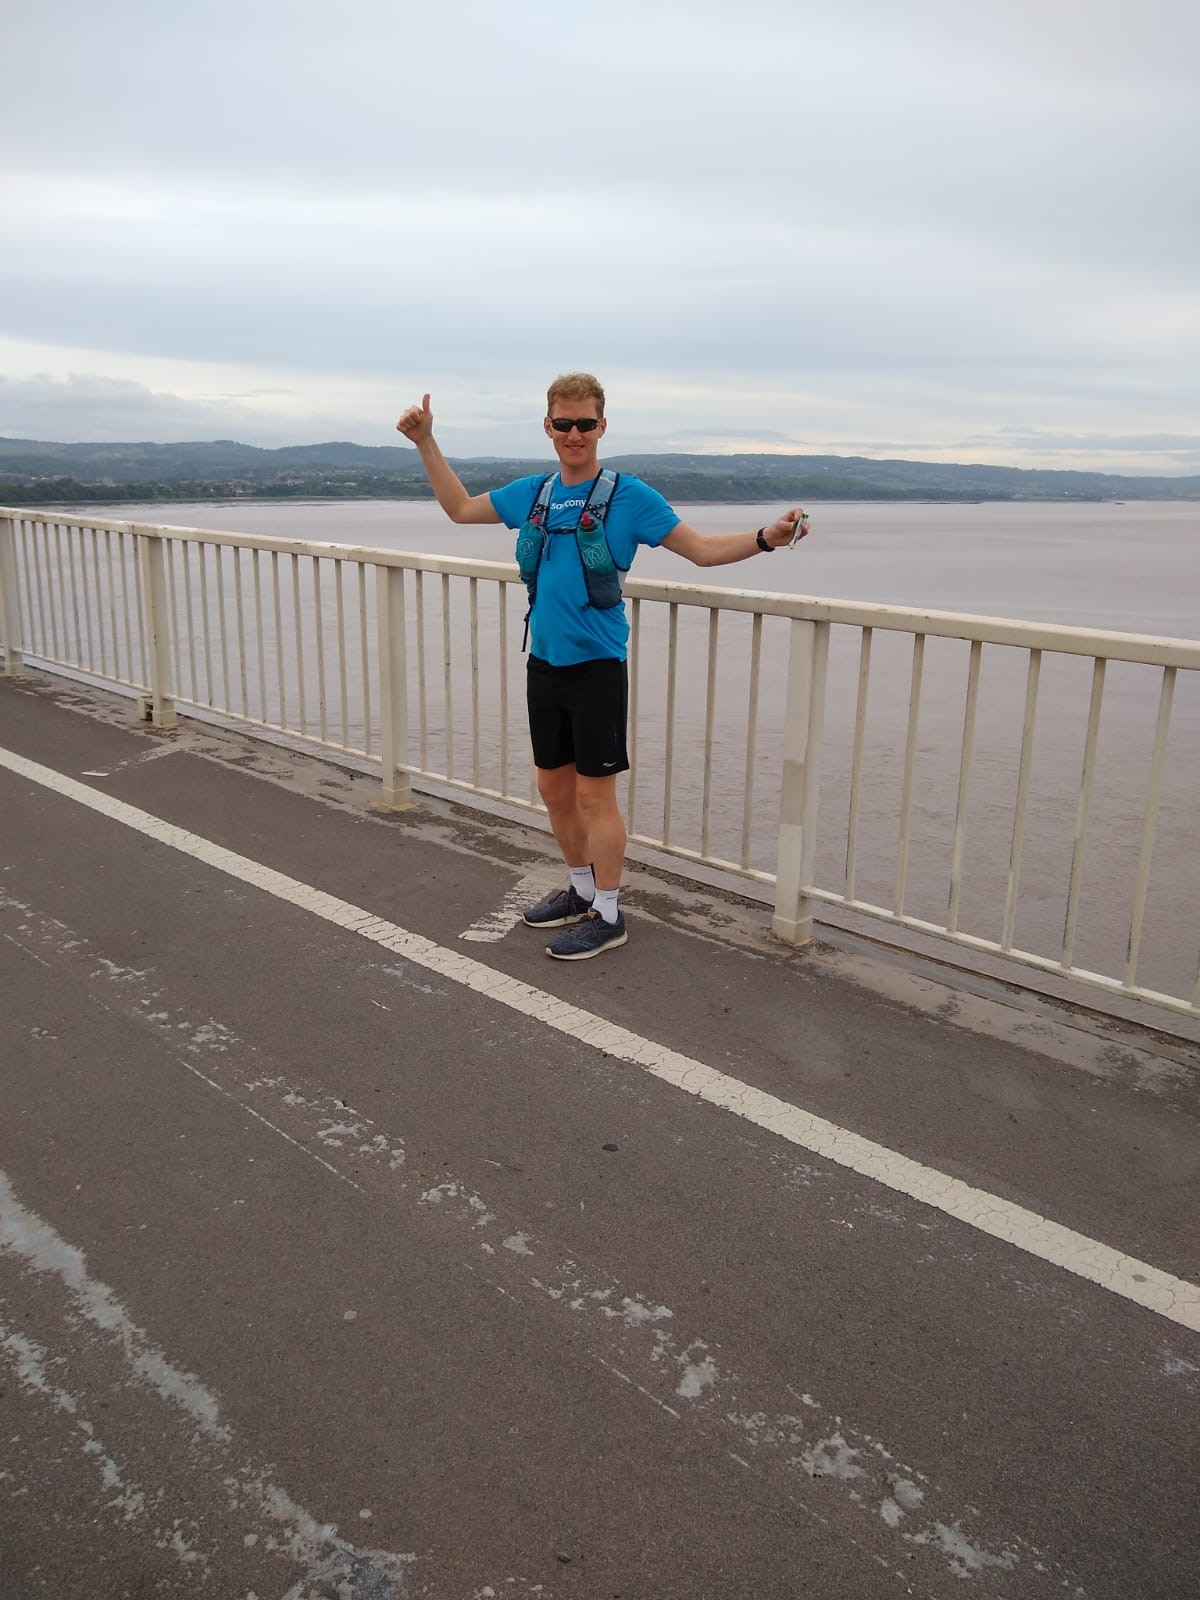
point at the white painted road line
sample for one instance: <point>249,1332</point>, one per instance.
<point>1120,1274</point>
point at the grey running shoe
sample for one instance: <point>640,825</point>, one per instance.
<point>557,909</point>
<point>588,938</point>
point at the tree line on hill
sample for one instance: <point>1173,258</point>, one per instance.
<point>39,472</point>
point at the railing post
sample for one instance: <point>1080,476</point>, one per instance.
<point>804,719</point>
<point>10,610</point>
<point>159,706</point>
<point>393,687</point>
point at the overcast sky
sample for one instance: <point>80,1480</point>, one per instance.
<point>945,229</point>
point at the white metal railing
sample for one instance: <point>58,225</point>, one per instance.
<point>975,776</point>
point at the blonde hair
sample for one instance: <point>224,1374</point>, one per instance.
<point>575,386</point>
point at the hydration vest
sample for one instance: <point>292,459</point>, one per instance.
<point>601,575</point>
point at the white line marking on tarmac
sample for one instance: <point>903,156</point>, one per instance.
<point>1121,1274</point>
<point>494,926</point>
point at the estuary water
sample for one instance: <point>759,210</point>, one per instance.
<point>1133,567</point>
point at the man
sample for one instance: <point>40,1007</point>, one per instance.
<point>575,528</point>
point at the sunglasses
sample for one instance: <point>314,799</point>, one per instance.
<point>565,424</point>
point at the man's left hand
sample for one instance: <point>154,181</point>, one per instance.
<point>790,528</point>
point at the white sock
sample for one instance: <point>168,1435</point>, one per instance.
<point>606,903</point>
<point>583,881</point>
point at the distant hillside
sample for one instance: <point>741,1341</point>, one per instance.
<point>37,472</point>
<point>863,477</point>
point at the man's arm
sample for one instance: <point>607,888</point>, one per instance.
<point>720,549</point>
<point>417,426</point>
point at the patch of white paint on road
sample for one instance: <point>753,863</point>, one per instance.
<point>891,1513</point>
<point>452,1194</point>
<point>906,1494</point>
<point>1174,1366</point>
<point>697,1377</point>
<point>496,924</point>
<point>633,1311</point>
<point>134,761</point>
<point>832,1458</point>
<point>966,1559</point>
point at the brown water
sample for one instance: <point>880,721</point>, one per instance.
<point>1134,568</point>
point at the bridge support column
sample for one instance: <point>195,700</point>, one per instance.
<point>393,687</point>
<point>804,721</point>
<point>158,706</point>
<point>10,610</point>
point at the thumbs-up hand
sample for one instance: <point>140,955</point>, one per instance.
<point>417,422</point>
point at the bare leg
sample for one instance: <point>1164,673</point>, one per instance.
<point>587,821</point>
<point>556,785</point>
<point>597,801</point>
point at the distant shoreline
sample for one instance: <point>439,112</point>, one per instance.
<point>44,473</point>
<point>19,496</point>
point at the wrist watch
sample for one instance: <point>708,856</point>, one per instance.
<point>761,542</point>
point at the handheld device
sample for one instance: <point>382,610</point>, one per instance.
<point>801,528</point>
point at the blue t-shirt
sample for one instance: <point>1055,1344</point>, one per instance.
<point>564,628</point>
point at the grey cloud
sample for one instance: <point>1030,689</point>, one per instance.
<point>97,409</point>
<point>297,303</point>
<point>982,213</point>
<point>722,430</point>
<point>1103,441</point>
<point>1173,452</point>
<point>773,111</point>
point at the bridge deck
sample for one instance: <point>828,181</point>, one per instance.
<point>385,1257</point>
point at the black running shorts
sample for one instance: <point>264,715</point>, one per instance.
<point>577,716</point>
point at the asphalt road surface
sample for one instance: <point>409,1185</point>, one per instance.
<point>351,1248</point>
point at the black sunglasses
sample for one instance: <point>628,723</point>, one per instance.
<point>565,424</point>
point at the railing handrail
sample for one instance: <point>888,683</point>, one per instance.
<point>325,635</point>
<point>1159,650</point>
